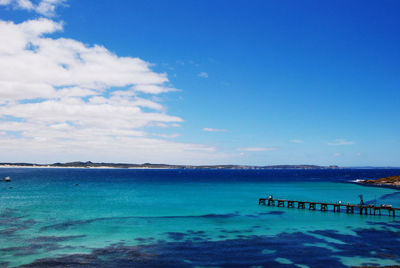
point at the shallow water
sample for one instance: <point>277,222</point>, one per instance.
<point>191,218</point>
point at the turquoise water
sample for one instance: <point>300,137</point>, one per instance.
<point>191,218</point>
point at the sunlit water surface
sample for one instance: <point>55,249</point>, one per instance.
<point>191,218</point>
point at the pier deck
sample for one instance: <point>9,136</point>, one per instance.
<point>324,206</point>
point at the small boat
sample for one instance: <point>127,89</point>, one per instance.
<point>7,179</point>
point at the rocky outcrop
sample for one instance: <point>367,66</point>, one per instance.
<point>393,181</point>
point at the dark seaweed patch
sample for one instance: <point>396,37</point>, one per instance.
<point>71,223</point>
<point>11,223</point>
<point>196,232</point>
<point>187,249</point>
<point>230,231</point>
<point>54,239</point>
<point>243,252</point>
<point>4,264</point>
<point>272,213</point>
<point>387,196</point>
<point>39,244</point>
<point>141,239</point>
<point>393,224</point>
<point>265,214</point>
<point>9,231</point>
<point>176,236</point>
<point>31,249</point>
<point>8,212</point>
<point>218,216</point>
<point>384,243</point>
<point>64,225</point>
<point>240,236</point>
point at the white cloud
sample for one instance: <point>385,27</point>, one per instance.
<point>339,142</point>
<point>168,136</point>
<point>123,149</point>
<point>258,149</point>
<point>25,4</point>
<point>337,154</point>
<point>44,7</point>
<point>5,2</point>
<point>214,129</point>
<point>203,75</point>
<point>66,100</point>
<point>66,64</point>
<point>296,141</point>
<point>152,88</point>
<point>48,7</point>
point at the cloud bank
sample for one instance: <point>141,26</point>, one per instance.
<point>62,97</point>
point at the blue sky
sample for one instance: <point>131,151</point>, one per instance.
<point>214,82</point>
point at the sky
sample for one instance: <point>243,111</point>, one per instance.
<point>259,82</point>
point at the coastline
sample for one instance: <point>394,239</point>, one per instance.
<point>387,186</point>
<point>150,166</point>
<point>104,165</point>
<point>392,182</point>
<point>69,167</point>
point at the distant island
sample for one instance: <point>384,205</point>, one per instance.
<point>89,164</point>
<point>393,181</point>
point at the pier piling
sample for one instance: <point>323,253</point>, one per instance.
<point>336,208</point>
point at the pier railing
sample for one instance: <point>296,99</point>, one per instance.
<point>325,206</point>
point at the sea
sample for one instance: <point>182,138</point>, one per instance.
<point>71,217</point>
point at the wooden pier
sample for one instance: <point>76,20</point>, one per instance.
<point>324,206</point>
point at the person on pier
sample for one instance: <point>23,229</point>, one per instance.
<point>361,199</point>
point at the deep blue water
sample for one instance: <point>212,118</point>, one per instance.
<point>191,218</point>
<point>184,175</point>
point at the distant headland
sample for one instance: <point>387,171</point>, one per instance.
<point>89,164</point>
<point>392,182</point>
